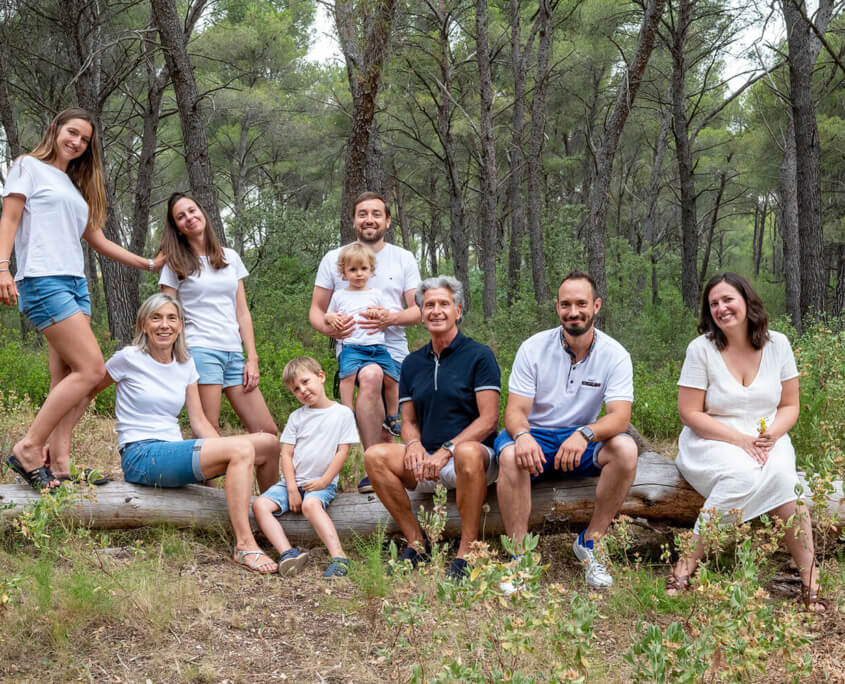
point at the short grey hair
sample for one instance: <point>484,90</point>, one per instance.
<point>435,282</point>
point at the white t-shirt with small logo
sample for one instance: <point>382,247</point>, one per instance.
<point>396,273</point>
<point>54,217</point>
<point>316,434</point>
<point>209,298</point>
<point>354,303</point>
<point>150,395</point>
<point>567,394</point>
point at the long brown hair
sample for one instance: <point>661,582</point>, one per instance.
<point>176,248</point>
<point>758,320</point>
<point>86,171</point>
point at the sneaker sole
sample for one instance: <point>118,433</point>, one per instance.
<point>289,566</point>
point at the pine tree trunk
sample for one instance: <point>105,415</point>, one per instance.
<point>788,192</point>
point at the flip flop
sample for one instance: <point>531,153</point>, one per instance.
<point>38,478</point>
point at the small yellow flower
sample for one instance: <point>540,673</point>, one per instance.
<point>762,427</point>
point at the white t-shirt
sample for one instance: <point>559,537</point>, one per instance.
<point>150,395</point>
<point>396,273</point>
<point>53,220</point>
<point>316,434</point>
<point>354,303</point>
<point>567,394</point>
<point>209,298</point>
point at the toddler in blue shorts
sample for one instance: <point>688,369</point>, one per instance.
<point>315,444</point>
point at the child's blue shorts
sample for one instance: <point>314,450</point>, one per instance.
<point>353,357</point>
<point>278,494</point>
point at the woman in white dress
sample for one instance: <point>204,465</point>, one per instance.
<point>208,279</point>
<point>155,378</point>
<point>54,196</point>
<point>738,398</point>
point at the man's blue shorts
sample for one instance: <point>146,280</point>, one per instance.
<point>278,494</point>
<point>216,367</point>
<point>157,463</point>
<point>550,441</point>
<point>353,357</point>
<point>47,300</point>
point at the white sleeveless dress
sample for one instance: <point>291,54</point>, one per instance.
<point>724,474</point>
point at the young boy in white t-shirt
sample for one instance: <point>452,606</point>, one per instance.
<point>315,444</point>
<point>356,265</point>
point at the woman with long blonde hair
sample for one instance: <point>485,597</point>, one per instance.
<point>54,196</point>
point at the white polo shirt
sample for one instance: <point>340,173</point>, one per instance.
<point>568,394</point>
<point>396,273</point>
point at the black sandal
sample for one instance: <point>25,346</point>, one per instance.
<point>38,478</point>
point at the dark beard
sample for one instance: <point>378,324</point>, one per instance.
<point>578,331</point>
<point>370,241</point>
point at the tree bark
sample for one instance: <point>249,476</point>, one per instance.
<point>788,192</point>
<point>714,219</point>
<point>658,494</point>
<point>534,214</point>
<point>364,34</point>
<point>606,152</point>
<point>194,138</point>
<point>803,50</point>
<point>488,171</point>
<point>516,160</point>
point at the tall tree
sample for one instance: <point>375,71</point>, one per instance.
<point>625,95</point>
<point>194,137</point>
<point>363,29</point>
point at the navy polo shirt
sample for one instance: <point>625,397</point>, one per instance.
<point>443,389</point>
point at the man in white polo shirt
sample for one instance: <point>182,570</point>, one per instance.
<point>559,381</point>
<point>397,276</point>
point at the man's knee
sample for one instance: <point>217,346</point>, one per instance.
<point>507,461</point>
<point>370,379</point>
<point>376,457</point>
<point>621,451</point>
<point>469,459</point>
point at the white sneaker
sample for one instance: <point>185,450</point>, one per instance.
<point>595,571</point>
<point>507,587</point>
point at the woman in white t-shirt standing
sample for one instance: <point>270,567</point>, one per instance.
<point>208,280</point>
<point>155,378</point>
<point>53,197</point>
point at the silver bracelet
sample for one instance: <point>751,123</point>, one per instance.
<point>5,261</point>
<point>520,433</point>
<point>151,265</point>
<point>4,270</point>
<point>413,441</point>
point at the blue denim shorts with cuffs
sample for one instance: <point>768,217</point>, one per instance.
<point>353,357</point>
<point>550,441</point>
<point>278,494</point>
<point>217,367</point>
<point>156,463</point>
<point>47,300</point>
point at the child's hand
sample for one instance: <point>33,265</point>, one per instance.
<point>340,324</point>
<point>315,485</point>
<point>294,499</point>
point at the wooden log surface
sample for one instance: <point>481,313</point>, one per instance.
<point>659,494</point>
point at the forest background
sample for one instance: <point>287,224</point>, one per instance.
<point>652,143</point>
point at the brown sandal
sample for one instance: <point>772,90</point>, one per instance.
<point>676,584</point>
<point>811,600</point>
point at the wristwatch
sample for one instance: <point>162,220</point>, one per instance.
<point>589,435</point>
<point>449,445</point>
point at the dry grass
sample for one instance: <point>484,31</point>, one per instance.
<point>172,608</point>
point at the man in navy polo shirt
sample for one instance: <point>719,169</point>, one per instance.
<point>449,395</point>
<point>559,381</point>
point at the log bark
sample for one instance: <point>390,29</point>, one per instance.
<point>658,494</point>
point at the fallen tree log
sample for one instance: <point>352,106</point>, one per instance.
<point>659,494</point>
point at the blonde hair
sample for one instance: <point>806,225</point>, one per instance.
<point>86,171</point>
<point>354,253</point>
<point>148,308</point>
<point>299,365</point>
<point>176,249</point>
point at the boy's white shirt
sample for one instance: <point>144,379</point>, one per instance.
<point>315,435</point>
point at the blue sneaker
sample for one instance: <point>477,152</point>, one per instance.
<point>292,560</point>
<point>393,424</point>
<point>458,570</point>
<point>339,567</point>
<point>365,486</point>
<point>415,557</point>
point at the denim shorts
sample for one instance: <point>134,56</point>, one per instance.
<point>46,300</point>
<point>353,357</point>
<point>550,441</point>
<point>157,463</point>
<point>278,494</point>
<point>217,367</point>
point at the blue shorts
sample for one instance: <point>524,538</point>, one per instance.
<point>278,494</point>
<point>550,441</point>
<point>217,367</point>
<point>46,300</point>
<point>157,463</point>
<point>353,357</point>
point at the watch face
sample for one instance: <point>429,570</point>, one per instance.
<point>587,432</point>
<point>449,446</point>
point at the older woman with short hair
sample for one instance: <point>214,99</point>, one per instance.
<point>155,378</point>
